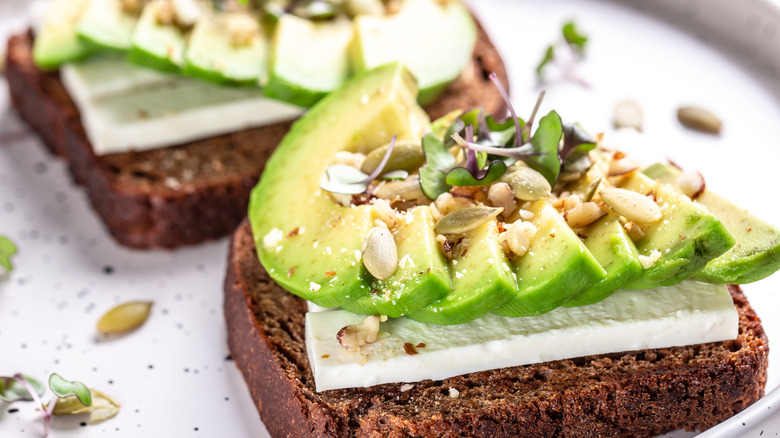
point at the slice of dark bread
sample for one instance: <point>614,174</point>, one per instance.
<point>640,393</point>
<point>192,192</point>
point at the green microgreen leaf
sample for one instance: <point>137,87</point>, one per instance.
<point>575,138</point>
<point>64,388</point>
<point>344,180</point>
<point>438,161</point>
<point>7,250</point>
<point>460,176</point>
<point>574,37</point>
<point>545,144</point>
<point>549,56</point>
<point>396,175</point>
<point>13,389</point>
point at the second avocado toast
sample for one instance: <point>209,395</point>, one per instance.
<point>316,246</point>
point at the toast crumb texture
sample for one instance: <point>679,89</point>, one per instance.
<point>641,393</point>
<point>193,192</point>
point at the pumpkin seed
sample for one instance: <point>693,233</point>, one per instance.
<point>528,184</point>
<point>467,219</point>
<point>124,317</point>
<point>632,205</point>
<point>102,408</point>
<point>407,155</point>
<point>407,189</point>
<point>592,187</point>
<point>627,115</point>
<point>699,119</point>
<point>380,255</point>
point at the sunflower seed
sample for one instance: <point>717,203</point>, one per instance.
<point>380,255</point>
<point>691,183</point>
<point>407,155</point>
<point>124,317</point>
<point>627,115</point>
<point>528,184</point>
<point>467,219</point>
<point>699,119</point>
<point>632,205</point>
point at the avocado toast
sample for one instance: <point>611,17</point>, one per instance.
<point>193,191</point>
<point>568,397</point>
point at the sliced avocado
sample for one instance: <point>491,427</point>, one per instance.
<point>435,40</point>
<point>106,24</point>
<point>556,267</point>
<point>157,45</point>
<point>422,275</point>
<point>56,41</point>
<point>608,241</point>
<point>756,253</point>
<point>482,279</point>
<point>308,59</point>
<point>686,239</point>
<point>295,222</point>
<point>215,54</point>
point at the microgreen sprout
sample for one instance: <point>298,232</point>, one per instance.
<point>566,55</point>
<point>347,180</point>
<point>20,387</point>
<point>7,250</point>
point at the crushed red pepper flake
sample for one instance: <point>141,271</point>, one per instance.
<point>294,232</point>
<point>330,273</point>
<point>291,272</point>
<point>421,345</point>
<point>409,349</point>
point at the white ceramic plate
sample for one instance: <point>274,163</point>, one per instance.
<point>172,375</point>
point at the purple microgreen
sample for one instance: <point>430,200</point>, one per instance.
<point>575,138</point>
<point>395,175</point>
<point>529,125</point>
<point>438,161</point>
<point>7,250</point>
<point>33,390</point>
<point>14,389</point>
<point>64,388</point>
<point>383,163</point>
<point>461,176</point>
<point>471,155</point>
<point>505,96</point>
<point>344,180</point>
<point>347,180</point>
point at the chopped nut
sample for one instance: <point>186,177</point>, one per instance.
<point>352,337</point>
<point>501,195</point>
<point>583,215</point>
<point>517,237</point>
<point>647,261</point>
<point>691,183</point>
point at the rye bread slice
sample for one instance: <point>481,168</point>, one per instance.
<point>640,393</point>
<point>188,193</point>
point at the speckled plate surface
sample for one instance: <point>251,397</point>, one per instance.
<point>174,377</point>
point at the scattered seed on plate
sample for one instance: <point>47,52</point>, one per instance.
<point>699,119</point>
<point>627,115</point>
<point>124,317</point>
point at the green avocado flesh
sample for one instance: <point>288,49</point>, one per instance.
<point>556,267</point>
<point>212,55</point>
<point>482,279</point>
<point>687,237</point>
<point>295,60</point>
<point>156,45</point>
<point>313,246</point>
<point>756,253</point>
<point>106,25</point>
<point>57,40</point>
<point>307,243</point>
<point>433,40</point>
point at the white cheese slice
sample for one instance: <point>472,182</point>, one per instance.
<point>685,314</point>
<point>127,108</point>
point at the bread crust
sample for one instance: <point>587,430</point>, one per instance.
<point>193,192</point>
<point>642,393</point>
